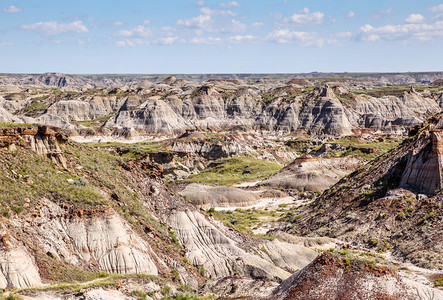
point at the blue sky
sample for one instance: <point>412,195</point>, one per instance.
<point>180,36</point>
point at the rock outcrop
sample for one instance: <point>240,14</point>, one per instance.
<point>424,169</point>
<point>205,197</point>
<point>17,266</point>
<point>208,248</point>
<point>312,174</point>
<point>328,277</point>
<point>82,237</point>
<point>394,199</point>
<point>41,139</point>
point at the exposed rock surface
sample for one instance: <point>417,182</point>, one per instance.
<point>17,267</point>
<point>327,277</point>
<point>76,110</point>
<point>424,169</point>
<point>83,237</point>
<point>312,174</point>
<point>395,199</point>
<point>205,197</point>
<point>209,248</point>
<point>319,112</point>
<point>42,140</point>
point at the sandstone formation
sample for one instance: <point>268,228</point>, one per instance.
<point>328,277</point>
<point>209,248</point>
<point>312,174</point>
<point>321,112</point>
<point>17,267</point>
<point>424,169</point>
<point>103,237</point>
<point>206,197</point>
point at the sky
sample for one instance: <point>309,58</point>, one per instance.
<point>213,36</point>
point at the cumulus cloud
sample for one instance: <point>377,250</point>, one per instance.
<point>257,25</point>
<point>200,21</point>
<point>238,39</point>
<point>166,40</point>
<point>408,32</point>
<point>304,17</point>
<point>6,44</point>
<point>437,8</point>
<point>214,12</point>
<point>343,35</point>
<point>199,3</point>
<point>206,40</point>
<point>12,9</point>
<point>233,26</point>
<point>54,28</point>
<point>131,42</point>
<point>415,18</point>
<point>230,4</point>
<point>117,24</point>
<point>138,31</point>
<point>285,36</point>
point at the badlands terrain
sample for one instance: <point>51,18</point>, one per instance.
<point>251,186</point>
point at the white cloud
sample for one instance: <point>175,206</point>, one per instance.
<point>233,26</point>
<point>285,36</point>
<point>139,31</point>
<point>415,18</point>
<point>304,17</point>
<point>214,12</point>
<point>53,27</point>
<point>343,35</point>
<point>206,40</point>
<point>230,4</point>
<point>350,15</point>
<point>117,24</point>
<point>201,21</point>
<point>166,40</point>
<point>81,42</point>
<point>6,44</point>
<point>257,25</point>
<point>199,3</point>
<point>131,42</point>
<point>438,8</point>
<point>407,32</point>
<point>238,39</point>
<point>12,9</point>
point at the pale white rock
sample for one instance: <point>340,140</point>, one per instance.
<point>206,246</point>
<point>17,268</point>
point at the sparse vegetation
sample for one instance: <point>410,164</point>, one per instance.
<point>228,171</point>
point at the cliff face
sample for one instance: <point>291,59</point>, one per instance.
<point>320,112</point>
<point>424,169</point>
<point>393,200</point>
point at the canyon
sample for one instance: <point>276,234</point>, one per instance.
<point>250,186</point>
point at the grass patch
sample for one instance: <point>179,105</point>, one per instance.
<point>11,124</point>
<point>96,122</point>
<point>366,150</point>
<point>111,280</point>
<point>246,220</point>
<point>228,171</point>
<point>135,150</point>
